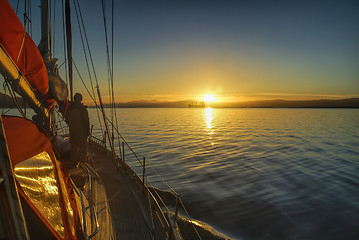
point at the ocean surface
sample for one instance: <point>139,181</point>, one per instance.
<point>255,173</point>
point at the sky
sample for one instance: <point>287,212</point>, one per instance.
<point>170,50</point>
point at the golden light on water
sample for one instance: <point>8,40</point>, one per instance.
<point>208,114</point>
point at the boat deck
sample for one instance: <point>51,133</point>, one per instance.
<point>130,211</point>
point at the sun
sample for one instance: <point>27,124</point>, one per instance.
<point>209,98</point>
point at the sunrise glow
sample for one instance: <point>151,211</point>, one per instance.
<point>209,98</point>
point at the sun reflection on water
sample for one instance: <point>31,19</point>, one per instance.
<point>208,114</point>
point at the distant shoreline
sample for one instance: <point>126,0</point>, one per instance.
<point>278,103</point>
<point>349,103</point>
<point>243,107</point>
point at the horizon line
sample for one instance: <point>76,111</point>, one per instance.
<point>231,102</point>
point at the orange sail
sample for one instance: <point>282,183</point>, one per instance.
<point>42,182</point>
<point>24,53</point>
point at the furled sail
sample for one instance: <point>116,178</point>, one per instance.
<point>49,202</point>
<point>24,53</point>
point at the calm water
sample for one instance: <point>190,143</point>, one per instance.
<point>256,173</point>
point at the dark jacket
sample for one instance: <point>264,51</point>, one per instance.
<point>78,120</point>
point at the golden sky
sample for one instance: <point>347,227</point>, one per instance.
<point>235,50</point>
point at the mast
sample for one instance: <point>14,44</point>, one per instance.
<point>45,51</point>
<point>44,45</point>
<point>69,44</point>
<point>57,87</point>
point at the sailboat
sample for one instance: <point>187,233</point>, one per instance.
<point>39,199</point>
<point>42,197</point>
<point>197,105</point>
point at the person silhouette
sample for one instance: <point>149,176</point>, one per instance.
<point>79,127</point>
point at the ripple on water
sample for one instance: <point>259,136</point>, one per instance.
<point>257,173</point>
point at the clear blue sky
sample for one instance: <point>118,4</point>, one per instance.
<point>237,50</point>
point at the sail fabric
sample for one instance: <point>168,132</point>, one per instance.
<point>42,182</point>
<point>24,53</point>
<point>24,139</point>
<point>36,177</point>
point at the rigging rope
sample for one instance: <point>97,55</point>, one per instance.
<point>83,82</point>
<point>110,71</point>
<point>61,119</point>
<point>83,47</point>
<point>81,28</point>
<point>29,27</point>
<point>88,91</point>
<point>3,99</point>
<point>112,91</point>
<point>17,6</point>
<point>112,99</point>
<point>54,31</point>
<point>49,19</point>
<point>64,39</point>
<point>112,51</point>
<point>13,96</point>
<point>90,53</point>
<point>62,64</point>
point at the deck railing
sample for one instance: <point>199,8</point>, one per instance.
<point>137,167</point>
<point>161,228</point>
<point>161,212</point>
